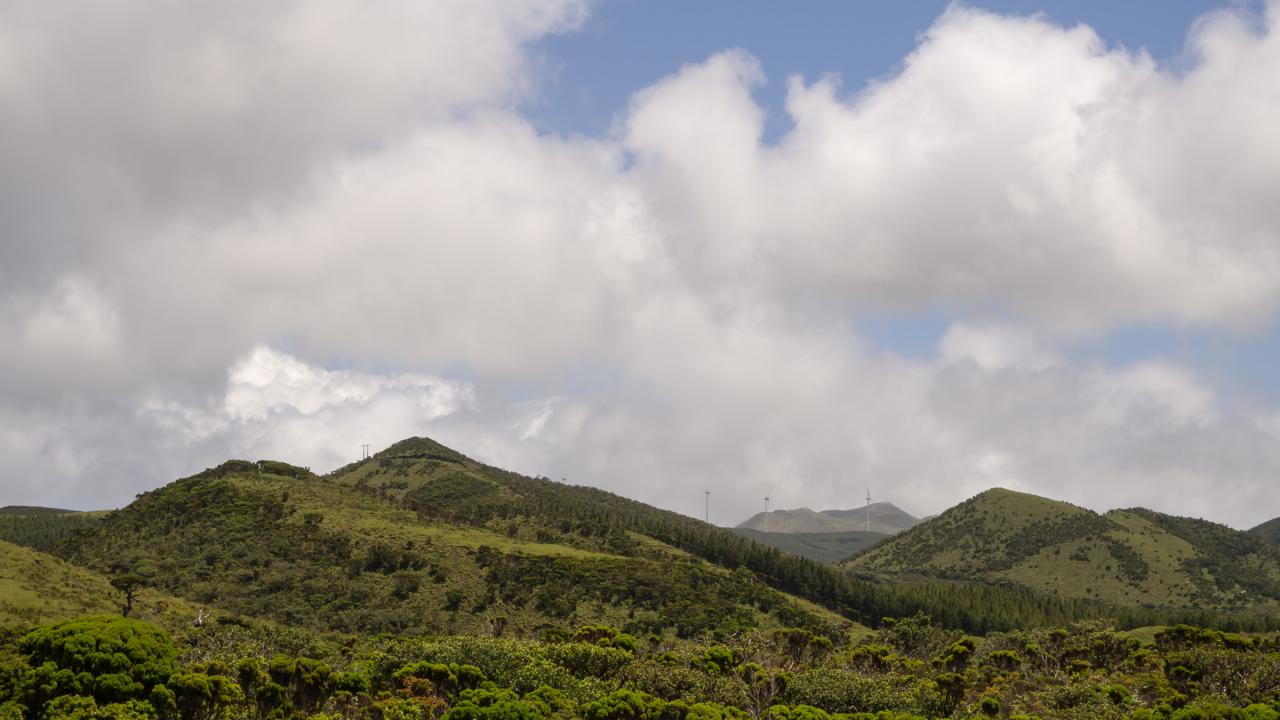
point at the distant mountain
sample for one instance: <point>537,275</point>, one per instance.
<point>1126,557</point>
<point>27,510</point>
<point>822,547</point>
<point>1269,531</point>
<point>886,518</point>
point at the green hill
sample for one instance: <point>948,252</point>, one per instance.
<point>420,539</point>
<point>35,588</point>
<point>822,547</point>
<point>1269,531</point>
<point>1130,557</point>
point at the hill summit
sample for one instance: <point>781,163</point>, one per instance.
<point>1126,557</point>
<point>886,519</point>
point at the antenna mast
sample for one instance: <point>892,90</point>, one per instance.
<point>766,513</point>
<point>706,510</point>
<point>868,509</point>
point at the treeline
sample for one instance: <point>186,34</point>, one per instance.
<point>43,530</point>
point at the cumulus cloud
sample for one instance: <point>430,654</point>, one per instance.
<point>1012,165</point>
<point>288,230</point>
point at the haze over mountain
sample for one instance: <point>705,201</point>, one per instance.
<point>823,547</point>
<point>885,518</point>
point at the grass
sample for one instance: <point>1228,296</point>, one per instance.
<point>37,588</point>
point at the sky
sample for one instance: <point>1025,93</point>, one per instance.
<point>660,248</point>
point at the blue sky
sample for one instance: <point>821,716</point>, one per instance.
<point>627,44</point>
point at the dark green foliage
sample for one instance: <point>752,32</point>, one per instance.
<point>1269,531</point>
<point>100,646</point>
<point>449,679</point>
<point>43,530</point>
<point>1132,567</point>
<point>1082,671</point>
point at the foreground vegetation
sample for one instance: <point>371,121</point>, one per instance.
<point>114,667</point>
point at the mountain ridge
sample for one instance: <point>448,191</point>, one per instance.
<point>885,518</point>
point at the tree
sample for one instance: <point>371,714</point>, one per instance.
<point>129,584</point>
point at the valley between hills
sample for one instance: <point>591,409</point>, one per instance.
<point>420,554</point>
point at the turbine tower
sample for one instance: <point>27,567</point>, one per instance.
<point>868,509</point>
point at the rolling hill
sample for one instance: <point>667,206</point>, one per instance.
<point>886,519</point>
<point>822,547</point>
<point>420,539</point>
<point>1132,557</point>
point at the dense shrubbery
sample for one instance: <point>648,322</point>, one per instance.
<point>107,667</point>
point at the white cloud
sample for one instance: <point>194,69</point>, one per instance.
<point>993,347</point>
<point>1012,165</point>
<point>658,312</point>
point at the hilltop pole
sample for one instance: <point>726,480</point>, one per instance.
<point>868,509</point>
<point>766,513</point>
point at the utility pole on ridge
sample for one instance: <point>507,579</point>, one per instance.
<point>868,509</point>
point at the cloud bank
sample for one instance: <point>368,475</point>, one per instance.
<point>292,229</point>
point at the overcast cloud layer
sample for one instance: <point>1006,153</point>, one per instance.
<point>287,229</point>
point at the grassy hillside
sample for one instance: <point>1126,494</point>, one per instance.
<point>1126,557</point>
<point>443,546</point>
<point>1269,531</point>
<point>886,518</point>
<point>35,587</point>
<point>821,547</point>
